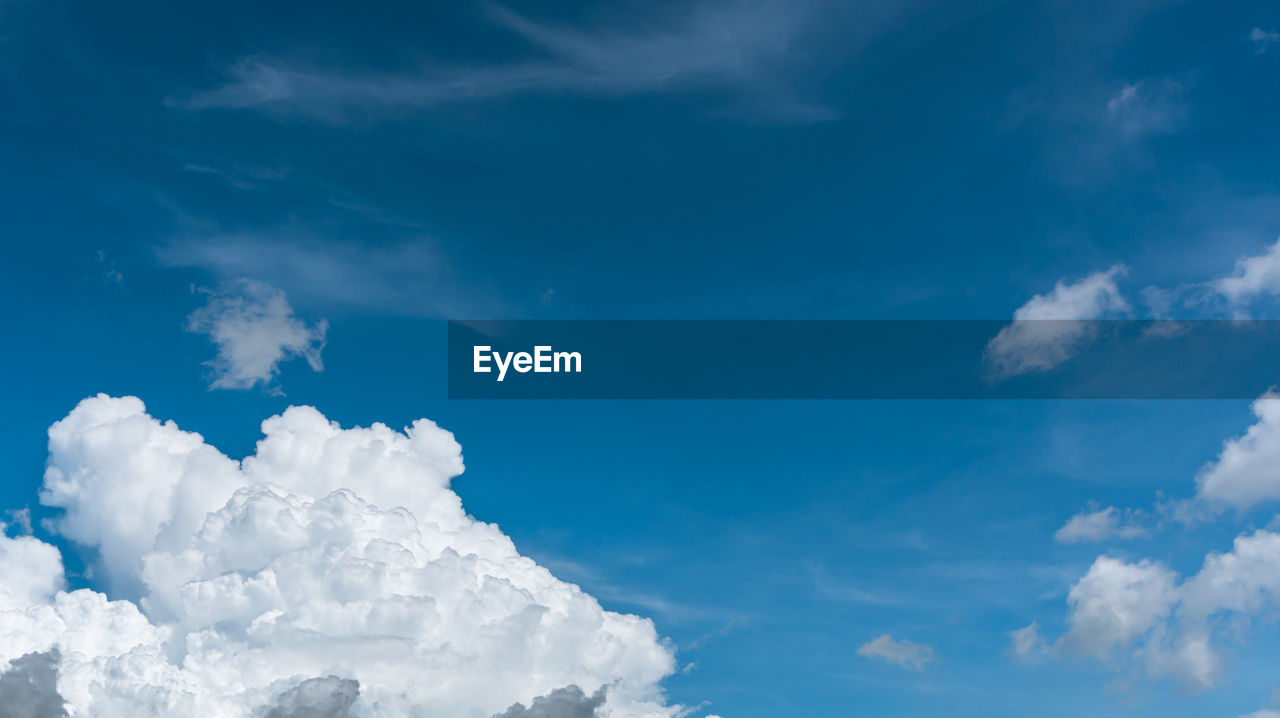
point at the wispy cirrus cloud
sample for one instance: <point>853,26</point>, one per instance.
<point>737,47</point>
<point>1263,39</point>
<point>1147,107</point>
<point>409,278</point>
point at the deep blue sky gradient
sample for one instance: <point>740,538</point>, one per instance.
<point>899,160</point>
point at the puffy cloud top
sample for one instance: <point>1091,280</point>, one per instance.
<point>1144,615</point>
<point>333,567</point>
<point>32,571</point>
<point>1247,471</point>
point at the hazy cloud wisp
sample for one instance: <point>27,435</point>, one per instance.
<point>254,330</point>
<point>901,652</point>
<point>736,46</point>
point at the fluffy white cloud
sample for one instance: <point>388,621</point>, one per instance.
<point>1117,602</point>
<point>1051,328</point>
<point>1100,525</point>
<point>31,571</point>
<point>333,568</point>
<point>1252,278</point>
<point>904,653</point>
<point>254,329</point>
<point>122,477</point>
<point>1143,615</point>
<point>1247,471</point>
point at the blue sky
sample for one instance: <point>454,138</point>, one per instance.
<point>395,165</point>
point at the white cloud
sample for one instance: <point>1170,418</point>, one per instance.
<point>1144,616</point>
<point>737,45</point>
<point>1265,713</point>
<point>1100,525</point>
<point>1116,603</point>
<point>1263,39</point>
<point>254,329</point>
<point>1247,470</point>
<point>904,653</point>
<point>1051,328</point>
<point>32,571</point>
<point>1252,278</point>
<point>331,565</point>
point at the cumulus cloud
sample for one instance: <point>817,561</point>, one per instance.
<point>29,687</point>
<point>1100,525</point>
<point>737,45</point>
<point>1052,328</point>
<point>1247,470</point>
<point>32,571</point>
<point>1115,603</point>
<point>567,702</point>
<point>1143,616</point>
<point>1252,278</point>
<point>904,653</point>
<point>254,329</point>
<point>332,570</point>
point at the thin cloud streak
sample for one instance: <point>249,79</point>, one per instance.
<point>739,47</point>
<point>411,278</point>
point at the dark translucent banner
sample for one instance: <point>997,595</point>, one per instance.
<point>863,359</point>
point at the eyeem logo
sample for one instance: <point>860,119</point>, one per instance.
<point>541,361</point>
